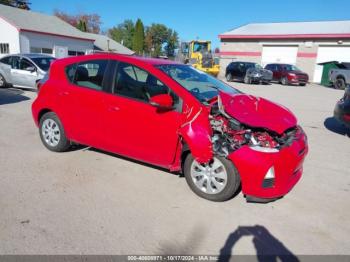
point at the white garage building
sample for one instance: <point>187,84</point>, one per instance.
<point>23,31</point>
<point>304,44</point>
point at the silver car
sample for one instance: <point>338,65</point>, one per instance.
<point>23,70</point>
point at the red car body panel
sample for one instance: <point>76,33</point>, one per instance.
<point>287,164</point>
<point>139,130</point>
<point>258,112</point>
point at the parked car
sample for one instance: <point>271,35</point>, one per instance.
<point>176,117</point>
<point>248,73</point>
<point>340,77</point>
<point>23,70</point>
<point>288,74</point>
<point>342,109</point>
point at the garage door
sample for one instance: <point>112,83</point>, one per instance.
<point>279,54</point>
<point>330,53</point>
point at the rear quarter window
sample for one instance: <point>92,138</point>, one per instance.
<point>70,72</point>
<point>89,74</point>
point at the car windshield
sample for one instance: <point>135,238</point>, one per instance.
<point>291,68</point>
<point>253,65</point>
<point>203,86</point>
<point>43,62</point>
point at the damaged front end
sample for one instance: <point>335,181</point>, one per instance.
<point>229,134</point>
<point>269,160</point>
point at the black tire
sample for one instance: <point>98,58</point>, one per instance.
<point>340,83</point>
<point>3,82</point>
<point>302,84</point>
<point>247,80</point>
<point>229,77</point>
<point>284,81</point>
<point>63,143</point>
<point>232,184</point>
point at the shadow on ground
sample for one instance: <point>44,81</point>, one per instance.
<point>11,96</point>
<point>333,125</point>
<point>268,248</point>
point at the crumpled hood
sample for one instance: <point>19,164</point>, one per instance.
<point>258,112</point>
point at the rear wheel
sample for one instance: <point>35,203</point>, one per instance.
<point>52,133</point>
<point>229,77</point>
<point>302,84</point>
<point>216,181</point>
<point>340,83</point>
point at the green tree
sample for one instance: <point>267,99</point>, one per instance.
<point>82,25</point>
<point>92,21</point>
<point>22,4</point>
<point>139,37</point>
<point>156,37</point>
<point>123,33</point>
<point>172,43</point>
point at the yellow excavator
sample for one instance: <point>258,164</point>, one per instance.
<point>198,53</point>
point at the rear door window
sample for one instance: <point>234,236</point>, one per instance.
<point>15,62</point>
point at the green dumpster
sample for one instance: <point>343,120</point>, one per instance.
<point>327,66</point>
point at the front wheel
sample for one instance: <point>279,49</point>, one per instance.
<point>52,133</point>
<point>247,80</point>
<point>216,181</point>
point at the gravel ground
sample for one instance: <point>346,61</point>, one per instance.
<point>89,202</point>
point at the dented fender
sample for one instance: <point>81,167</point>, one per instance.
<point>196,133</point>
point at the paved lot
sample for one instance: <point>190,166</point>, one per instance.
<point>89,202</point>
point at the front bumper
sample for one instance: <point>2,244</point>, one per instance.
<point>296,80</point>
<point>341,114</point>
<point>261,79</point>
<point>253,166</point>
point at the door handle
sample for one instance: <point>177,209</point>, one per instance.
<point>64,93</point>
<point>114,108</point>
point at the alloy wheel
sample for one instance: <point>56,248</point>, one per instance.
<point>210,178</point>
<point>51,132</point>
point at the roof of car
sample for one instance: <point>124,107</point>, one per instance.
<point>32,55</point>
<point>127,58</point>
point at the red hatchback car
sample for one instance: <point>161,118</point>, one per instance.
<point>288,74</point>
<point>173,116</point>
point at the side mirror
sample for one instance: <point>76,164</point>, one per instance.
<point>31,69</point>
<point>163,101</point>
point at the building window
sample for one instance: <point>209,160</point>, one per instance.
<point>46,51</point>
<point>39,50</point>
<point>75,53</point>
<point>4,48</point>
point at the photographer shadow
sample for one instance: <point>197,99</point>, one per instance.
<point>268,248</point>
